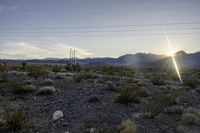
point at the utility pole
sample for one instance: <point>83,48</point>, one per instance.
<point>74,56</point>
<point>70,53</point>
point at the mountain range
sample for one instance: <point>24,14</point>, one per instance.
<point>183,59</point>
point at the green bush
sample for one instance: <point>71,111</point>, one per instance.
<point>84,76</point>
<point>158,103</point>
<point>57,68</point>
<point>15,120</point>
<point>130,94</point>
<point>192,82</point>
<point>157,80</point>
<point>36,71</point>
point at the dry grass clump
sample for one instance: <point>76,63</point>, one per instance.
<point>191,117</point>
<point>48,82</point>
<point>130,94</point>
<point>47,90</point>
<point>13,120</point>
<point>190,121</point>
<point>159,103</point>
<point>18,88</point>
<point>28,82</point>
<point>128,126</point>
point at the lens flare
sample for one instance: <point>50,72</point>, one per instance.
<point>172,54</point>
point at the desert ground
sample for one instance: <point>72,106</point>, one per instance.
<point>83,99</point>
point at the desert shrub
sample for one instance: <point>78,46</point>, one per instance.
<point>192,82</point>
<point>68,67</point>
<point>157,80</point>
<point>174,110</point>
<point>190,120</point>
<point>3,77</point>
<point>130,94</point>
<point>182,129</point>
<point>47,90</point>
<point>117,71</point>
<point>48,82</point>
<point>23,65</point>
<point>84,76</point>
<point>15,119</point>
<point>18,88</point>
<point>93,99</point>
<point>90,122</point>
<point>73,67</point>
<point>76,67</point>
<point>57,68</point>
<point>36,71</point>
<point>128,126</point>
<point>28,82</point>
<point>191,116</point>
<point>158,103</point>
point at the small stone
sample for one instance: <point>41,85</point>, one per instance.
<point>57,115</point>
<point>91,130</point>
<point>65,124</point>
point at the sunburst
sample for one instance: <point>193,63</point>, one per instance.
<point>171,53</point>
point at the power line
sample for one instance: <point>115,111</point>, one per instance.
<point>107,26</point>
<point>100,31</point>
<point>112,12</point>
<point>159,34</point>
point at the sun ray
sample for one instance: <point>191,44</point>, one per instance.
<point>172,54</point>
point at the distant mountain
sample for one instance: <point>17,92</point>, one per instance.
<point>183,59</point>
<point>139,59</point>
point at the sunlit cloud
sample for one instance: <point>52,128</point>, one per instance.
<point>30,50</point>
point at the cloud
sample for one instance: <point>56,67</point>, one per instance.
<point>30,50</point>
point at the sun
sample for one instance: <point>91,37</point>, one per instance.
<point>171,53</point>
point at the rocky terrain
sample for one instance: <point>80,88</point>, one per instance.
<point>74,99</point>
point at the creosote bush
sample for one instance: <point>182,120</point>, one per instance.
<point>192,82</point>
<point>157,80</point>
<point>84,76</point>
<point>93,99</point>
<point>57,68</point>
<point>15,120</point>
<point>159,103</point>
<point>130,94</point>
<point>36,71</point>
<point>190,120</point>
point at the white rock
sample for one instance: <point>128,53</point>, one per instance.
<point>57,115</point>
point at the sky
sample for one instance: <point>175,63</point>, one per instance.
<point>97,28</point>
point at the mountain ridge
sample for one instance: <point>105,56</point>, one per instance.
<point>188,60</point>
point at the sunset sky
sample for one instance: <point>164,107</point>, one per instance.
<point>97,28</point>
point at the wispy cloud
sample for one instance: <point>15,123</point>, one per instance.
<point>29,50</point>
